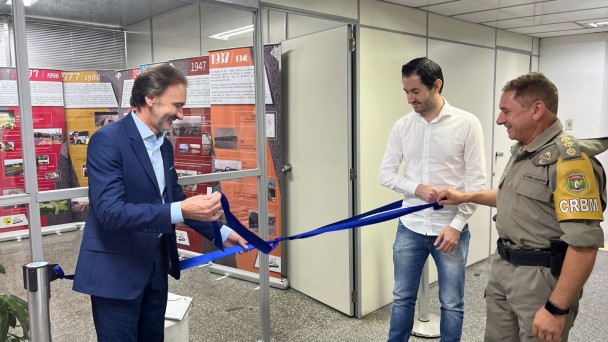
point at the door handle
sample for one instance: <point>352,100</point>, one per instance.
<point>497,155</point>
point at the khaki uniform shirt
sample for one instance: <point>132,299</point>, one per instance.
<point>525,208</point>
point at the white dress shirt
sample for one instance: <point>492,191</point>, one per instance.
<point>447,152</point>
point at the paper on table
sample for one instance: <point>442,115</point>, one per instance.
<point>177,306</point>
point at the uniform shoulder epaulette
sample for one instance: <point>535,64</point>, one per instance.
<point>569,148</point>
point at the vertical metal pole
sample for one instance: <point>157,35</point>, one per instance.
<point>37,283</point>
<point>38,301</point>
<point>260,112</point>
<point>423,294</point>
<point>27,128</point>
<point>426,324</point>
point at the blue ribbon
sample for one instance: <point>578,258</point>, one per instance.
<point>60,274</point>
<point>384,213</point>
<point>381,214</point>
<point>236,225</point>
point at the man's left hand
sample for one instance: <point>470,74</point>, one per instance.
<point>548,327</point>
<point>447,239</point>
<point>235,239</point>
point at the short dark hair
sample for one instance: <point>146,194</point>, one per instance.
<point>426,69</point>
<point>153,82</point>
<point>534,86</point>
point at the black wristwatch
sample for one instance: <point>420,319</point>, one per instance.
<point>554,309</point>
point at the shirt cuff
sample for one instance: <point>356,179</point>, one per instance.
<point>225,231</point>
<point>410,188</point>
<point>176,213</point>
<point>458,222</point>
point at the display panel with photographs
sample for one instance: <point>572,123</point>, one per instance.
<point>221,93</point>
<point>86,114</point>
<point>48,119</point>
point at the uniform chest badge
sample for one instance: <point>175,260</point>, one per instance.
<point>576,182</point>
<point>544,158</point>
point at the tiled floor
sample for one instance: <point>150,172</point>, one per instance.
<point>228,310</point>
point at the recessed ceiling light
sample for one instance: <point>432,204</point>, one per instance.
<point>600,24</point>
<point>227,34</point>
<point>26,3</point>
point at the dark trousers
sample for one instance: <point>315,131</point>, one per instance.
<point>138,320</point>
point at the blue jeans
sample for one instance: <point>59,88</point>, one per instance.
<point>410,252</point>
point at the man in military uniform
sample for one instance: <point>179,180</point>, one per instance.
<point>550,203</point>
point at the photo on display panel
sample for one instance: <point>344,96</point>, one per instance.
<point>226,137</point>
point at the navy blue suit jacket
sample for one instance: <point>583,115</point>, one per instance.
<point>127,214</point>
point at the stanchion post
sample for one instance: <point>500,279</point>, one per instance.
<point>426,324</point>
<point>37,282</point>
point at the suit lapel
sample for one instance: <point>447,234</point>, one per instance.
<point>139,148</point>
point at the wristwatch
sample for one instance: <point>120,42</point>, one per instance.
<point>554,309</point>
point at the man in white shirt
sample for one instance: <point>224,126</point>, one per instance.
<point>441,146</point>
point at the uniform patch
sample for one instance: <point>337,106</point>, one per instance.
<point>544,158</point>
<point>576,182</point>
<point>576,195</point>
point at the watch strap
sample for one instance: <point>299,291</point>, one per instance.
<point>554,309</point>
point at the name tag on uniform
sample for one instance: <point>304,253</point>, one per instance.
<point>536,179</point>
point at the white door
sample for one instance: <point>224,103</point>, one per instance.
<point>509,65</point>
<point>316,73</point>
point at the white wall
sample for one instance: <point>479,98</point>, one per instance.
<point>382,103</point>
<point>341,8</point>
<point>578,67</point>
<point>184,33</point>
<point>177,34</point>
<point>139,47</point>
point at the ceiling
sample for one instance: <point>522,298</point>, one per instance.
<point>537,18</point>
<point>110,13</point>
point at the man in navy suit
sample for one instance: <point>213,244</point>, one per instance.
<point>129,246</point>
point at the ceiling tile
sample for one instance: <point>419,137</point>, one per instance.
<point>584,15</point>
<point>498,14</point>
<point>568,5</point>
<point>470,6</point>
<point>567,33</point>
<point>417,3</point>
<point>546,28</point>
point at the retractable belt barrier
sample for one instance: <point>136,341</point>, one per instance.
<point>381,214</point>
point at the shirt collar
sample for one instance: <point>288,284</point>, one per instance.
<point>546,136</point>
<point>145,132</point>
<point>445,111</point>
